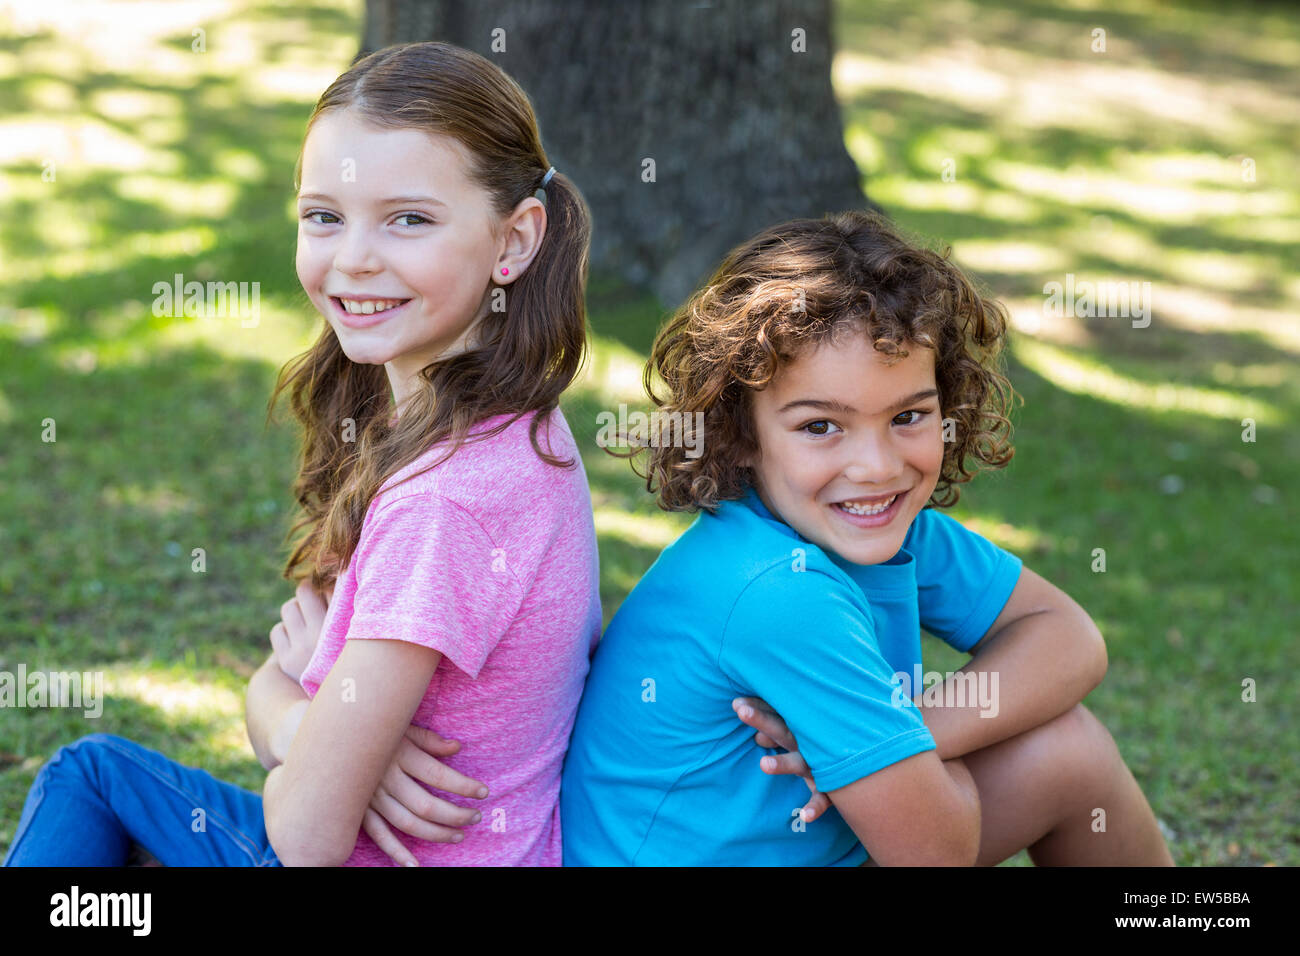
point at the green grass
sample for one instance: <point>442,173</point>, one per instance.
<point>1123,165</point>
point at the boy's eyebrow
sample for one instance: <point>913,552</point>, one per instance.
<point>392,201</point>
<point>830,405</point>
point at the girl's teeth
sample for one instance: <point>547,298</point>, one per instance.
<point>369,307</point>
<point>865,509</point>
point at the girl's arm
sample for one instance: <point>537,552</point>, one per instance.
<point>315,800</point>
<point>1040,657</point>
<point>274,705</point>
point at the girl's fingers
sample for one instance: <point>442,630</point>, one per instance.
<point>394,812</point>
<point>421,803</point>
<point>377,829</point>
<point>311,606</point>
<point>420,765</point>
<point>279,641</point>
<point>291,614</point>
<point>430,742</point>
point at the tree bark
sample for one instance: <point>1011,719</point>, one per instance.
<point>688,126</point>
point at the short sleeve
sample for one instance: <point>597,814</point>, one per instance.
<point>428,573</point>
<point>963,579</point>
<point>803,642</point>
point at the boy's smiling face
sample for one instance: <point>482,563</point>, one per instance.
<point>887,438</point>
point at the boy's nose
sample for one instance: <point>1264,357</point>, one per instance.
<point>874,463</point>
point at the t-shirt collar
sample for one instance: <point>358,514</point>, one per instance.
<point>885,573</point>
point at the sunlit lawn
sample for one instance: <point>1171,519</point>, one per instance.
<point>128,157</point>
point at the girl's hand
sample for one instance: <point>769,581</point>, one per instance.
<point>772,732</point>
<point>399,799</point>
<point>294,638</point>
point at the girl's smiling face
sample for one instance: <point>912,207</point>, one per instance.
<point>406,224</point>
<point>838,424</point>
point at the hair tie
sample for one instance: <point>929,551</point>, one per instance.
<point>541,190</point>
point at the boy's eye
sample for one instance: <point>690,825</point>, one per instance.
<point>815,429</point>
<point>819,427</point>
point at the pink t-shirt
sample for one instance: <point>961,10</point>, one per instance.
<point>491,559</point>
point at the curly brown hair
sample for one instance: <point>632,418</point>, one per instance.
<point>791,287</point>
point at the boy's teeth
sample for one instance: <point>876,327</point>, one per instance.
<point>865,509</point>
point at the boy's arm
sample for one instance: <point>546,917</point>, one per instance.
<point>274,705</point>
<point>920,811</point>
<point>1040,657</point>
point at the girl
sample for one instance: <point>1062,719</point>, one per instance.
<point>846,380</point>
<point>444,505</point>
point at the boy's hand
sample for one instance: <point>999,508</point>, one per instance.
<point>399,799</point>
<point>294,638</point>
<point>773,733</point>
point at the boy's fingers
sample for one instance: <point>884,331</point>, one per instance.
<point>378,830</point>
<point>784,763</point>
<point>758,715</point>
<point>816,806</point>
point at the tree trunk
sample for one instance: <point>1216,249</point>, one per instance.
<point>688,127</point>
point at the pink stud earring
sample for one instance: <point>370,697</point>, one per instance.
<point>505,271</point>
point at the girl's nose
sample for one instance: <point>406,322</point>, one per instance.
<point>355,255</point>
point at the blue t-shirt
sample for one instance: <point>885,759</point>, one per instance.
<point>660,771</point>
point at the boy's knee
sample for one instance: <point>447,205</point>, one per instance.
<point>1087,751</point>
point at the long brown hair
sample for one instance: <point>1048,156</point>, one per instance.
<point>522,358</point>
<point>790,287</point>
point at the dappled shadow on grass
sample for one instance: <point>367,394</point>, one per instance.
<point>150,462</point>
<point>128,231</point>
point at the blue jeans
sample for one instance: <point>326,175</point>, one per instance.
<point>98,796</point>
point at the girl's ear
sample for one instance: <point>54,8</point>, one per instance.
<point>521,237</point>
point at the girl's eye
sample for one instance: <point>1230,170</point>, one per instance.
<point>911,411</point>
<point>406,215</point>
